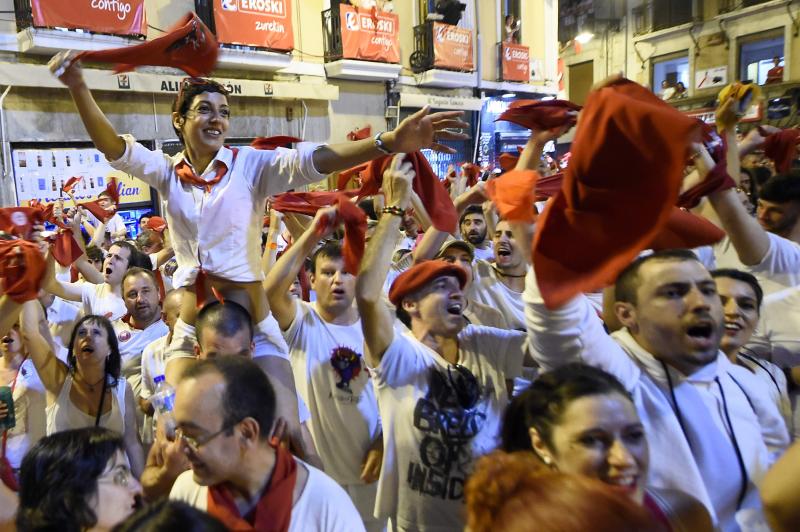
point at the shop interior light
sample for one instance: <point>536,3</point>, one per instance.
<point>509,95</point>
<point>584,37</point>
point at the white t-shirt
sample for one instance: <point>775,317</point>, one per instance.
<point>331,377</point>
<point>29,413</point>
<point>62,317</point>
<point>99,299</point>
<point>115,225</point>
<point>487,253</point>
<point>132,342</point>
<point>437,420</point>
<point>779,269</point>
<point>323,506</point>
<point>152,367</point>
<point>490,290</point>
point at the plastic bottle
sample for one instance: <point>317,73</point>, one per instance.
<point>163,400</point>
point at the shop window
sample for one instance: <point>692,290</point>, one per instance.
<point>512,21</point>
<point>757,55</point>
<point>670,76</point>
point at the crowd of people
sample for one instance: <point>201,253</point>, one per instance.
<point>507,355</point>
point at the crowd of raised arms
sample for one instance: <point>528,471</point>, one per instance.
<point>614,346</point>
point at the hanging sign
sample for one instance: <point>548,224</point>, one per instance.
<point>118,17</point>
<point>369,34</point>
<point>261,23</point>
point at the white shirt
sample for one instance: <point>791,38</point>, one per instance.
<point>132,342</point>
<point>62,317</point>
<point>779,269</point>
<point>331,377</point>
<point>323,506</point>
<point>29,413</point>
<point>64,415</point>
<point>487,253</point>
<point>709,470</point>
<point>114,225</point>
<point>490,290</point>
<point>220,230</point>
<point>431,438</point>
<point>99,299</point>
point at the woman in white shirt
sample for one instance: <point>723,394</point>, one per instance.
<point>87,390</point>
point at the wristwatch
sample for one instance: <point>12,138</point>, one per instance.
<point>380,145</point>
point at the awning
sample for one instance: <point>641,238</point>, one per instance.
<point>29,75</point>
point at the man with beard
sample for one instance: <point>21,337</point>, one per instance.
<point>442,386</point>
<point>141,325</point>
<point>710,426</point>
<point>500,284</point>
<point>473,229</point>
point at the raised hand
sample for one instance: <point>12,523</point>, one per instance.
<point>424,129</point>
<point>397,181</point>
<point>64,66</point>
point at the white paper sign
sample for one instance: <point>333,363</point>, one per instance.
<point>711,77</point>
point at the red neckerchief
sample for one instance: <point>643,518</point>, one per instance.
<point>273,512</point>
<point>187,174</point>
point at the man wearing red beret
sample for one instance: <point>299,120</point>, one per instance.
<point>441,386</point>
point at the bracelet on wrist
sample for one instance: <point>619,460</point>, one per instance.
<point>397,211</point>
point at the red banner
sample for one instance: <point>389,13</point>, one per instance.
<point>516,62</point>
<point>369,34</point>
<point>118,17</point>
<point>262,23</point>
<point>452,47</point>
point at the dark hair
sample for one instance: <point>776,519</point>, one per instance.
<point>744,277</point>
<point>191,87</point>
<point>248,392</point>
<point>137,258</point>
<point>114,360</point>
<point>226,319</point>
<point>542,404</point>
<point>94,253</point>
<point>402,315</point>
<point>471,209</point>
<point>139,271</point>
<point>105,194</point>
<point>781,188</point>
<point>331,250</point>
<point>168,515</point>
<point>148,214</point>
<point>59,476</point>
<point>628,280</point>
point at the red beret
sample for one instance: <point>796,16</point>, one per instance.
<point>189,45</point>
<point>416,277</point>
<point>156,223</point>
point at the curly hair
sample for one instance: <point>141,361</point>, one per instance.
<point>514,492</point>
<point>59,476</point>
<point>114,360</point>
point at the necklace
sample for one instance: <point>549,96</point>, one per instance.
<point>509,274</point>
<point>89,385</point>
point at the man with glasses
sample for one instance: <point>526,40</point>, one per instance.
<point>442,387</point>
<point>224,411</point>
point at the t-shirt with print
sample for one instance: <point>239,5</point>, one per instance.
<point>100,299</point>
<point>331,377</point>
<point>437,419</point>
<point>132,342</point>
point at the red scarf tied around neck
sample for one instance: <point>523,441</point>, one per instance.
<point>273,513</point>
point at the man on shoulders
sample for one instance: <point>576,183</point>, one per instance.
<point>224,411</point>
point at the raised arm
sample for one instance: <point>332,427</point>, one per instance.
<point>68,291</point>
<point>376,320</point>
<point>423,129</point>
<point>102,133</point>
<point>281,276</point>
<point>52,371</point>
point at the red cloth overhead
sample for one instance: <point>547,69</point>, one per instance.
<point>189,46</point>
<point>685,230</point>
<point>353,218</point>
<point>618,192</point>
<point>431,191</point>
<point>22,267</point>
<point>515,192</point>
<point>717,179</point>
<point>422,273</point>
<point>473,172</point>
<point>360,134</point>
<point>270,143</point>
<point>541,114</point>
<point>781,147</point>
<point>96,209</point>
<point>19,221</point>
<point>346,175</point>
<point>70,184</point>
<point>65,249</point>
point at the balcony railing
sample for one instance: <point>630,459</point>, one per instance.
<point>424,57</point>
<point>332,33</point>
<point>205,12</point>
<point>662,14</point>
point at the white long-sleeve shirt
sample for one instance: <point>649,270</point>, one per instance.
<point>705,400</point>
<point>220,231</point>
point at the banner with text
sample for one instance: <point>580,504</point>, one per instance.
<point>516,62</point>
<point>262,23</point>
<point>39,174</point>
<point>452,47</point>
<point>369,34</point>
<point>118,17</point>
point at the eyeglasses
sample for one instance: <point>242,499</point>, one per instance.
<point>121,476</point>
<point>195,443</point>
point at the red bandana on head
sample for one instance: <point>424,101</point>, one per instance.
<point>189,46</point>
<point>273,513</point>
<point>618,192</point>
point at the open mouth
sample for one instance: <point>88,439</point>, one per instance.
<point>624,483</point>
<point>213,132</point>
<point>503,251</point>
<point>701,331</point>
<point>455,309</point>
<point>109,271</point>
<point>7,339</point>
<point>87,349</point>
<point>733,327</point>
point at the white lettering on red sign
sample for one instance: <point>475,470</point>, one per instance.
<point>263,7</point>
<point>121,8</point>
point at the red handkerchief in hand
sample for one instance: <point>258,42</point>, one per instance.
<point>270,143</point>
<point>19,221</point>
<point>96,209</point>
<point>70,184</point>
<point>360,134</point>
<point>64,249</point>
<point>22,267</point>
<point>781,147</point>
<point>618,191</point>
<point>685,230</point>
<point>189,46</point>
<point>541,114</point>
